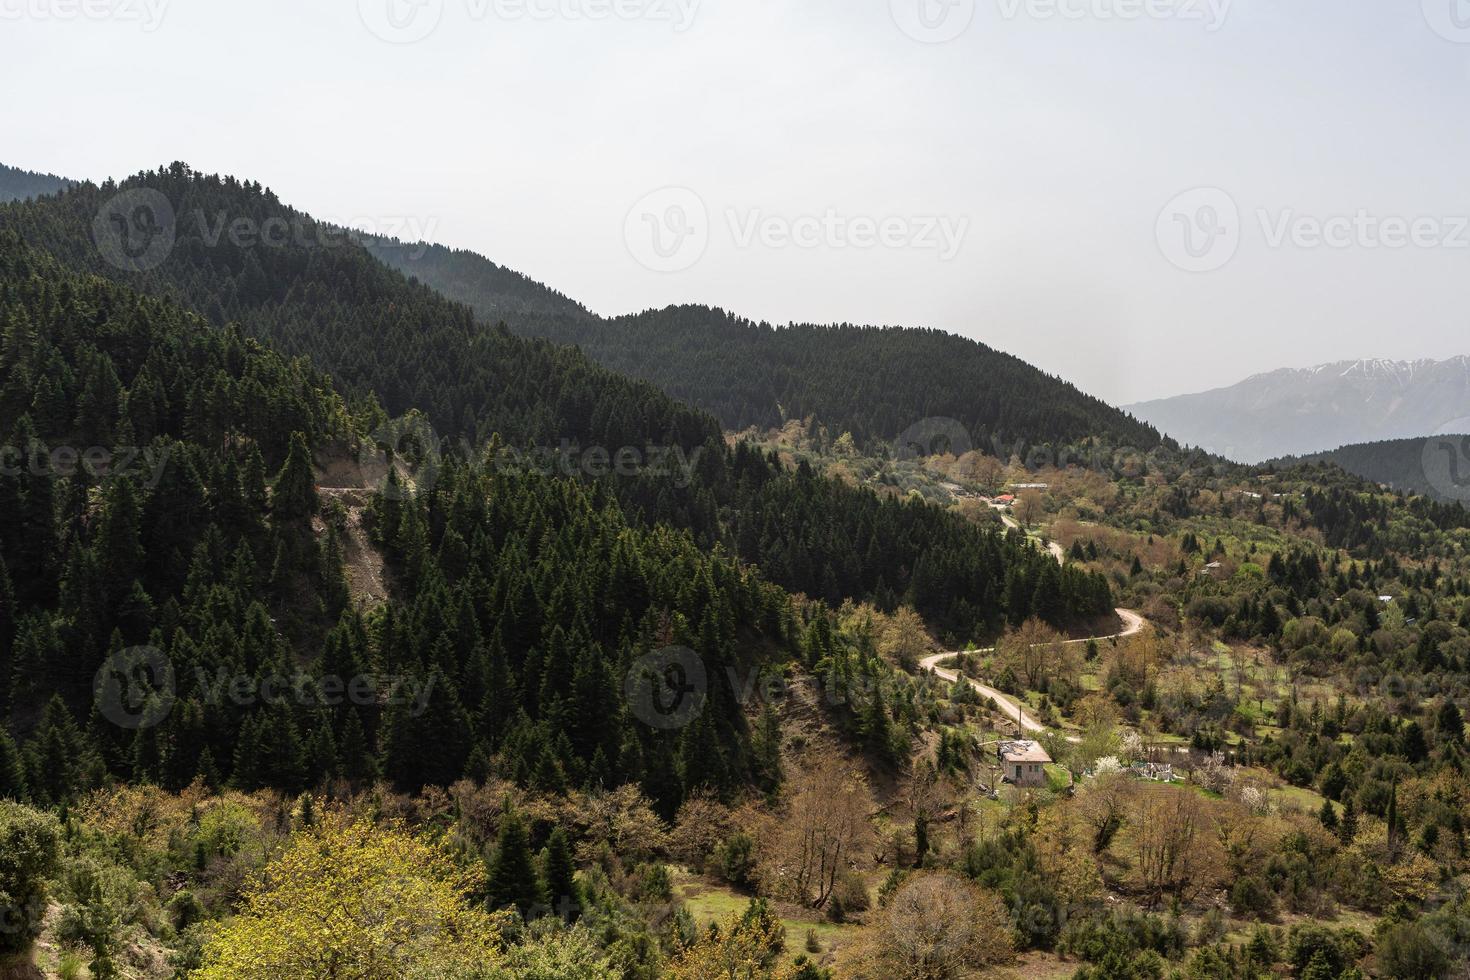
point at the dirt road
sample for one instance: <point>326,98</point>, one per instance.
<point>1132,624</point>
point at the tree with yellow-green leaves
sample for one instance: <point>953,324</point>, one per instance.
<point>351,901</point>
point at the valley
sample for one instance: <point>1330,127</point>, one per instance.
<point>426,645</point>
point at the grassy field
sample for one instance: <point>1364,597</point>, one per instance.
<point>709,901</point>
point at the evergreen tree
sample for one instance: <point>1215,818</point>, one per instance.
<point>293,495</point>
<point>559,876</point>
<point>511,881</point>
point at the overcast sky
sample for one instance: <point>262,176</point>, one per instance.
<point>1010,170</point>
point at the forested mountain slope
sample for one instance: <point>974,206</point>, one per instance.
<point>1434,466</point>
<point>874,382</point>
<point>19,185</point>
<point>520,600</point>
<point>233,251</point>
<point>308,289</point>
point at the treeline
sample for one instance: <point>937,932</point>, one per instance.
<point>521,602</point>
<point>394,346</point>
<point>18,185</point>
<point>873,382</point>
<point>308,289</point>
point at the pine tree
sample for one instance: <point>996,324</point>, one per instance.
<point>293,495</point>
<point>511,881</point>
<point>12,773</point>
<point>1328,815</point>
<point>1348,827</point>
<point>559,876</point>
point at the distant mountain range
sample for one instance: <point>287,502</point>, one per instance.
<point>1296,412</point>
<point>22,185</point>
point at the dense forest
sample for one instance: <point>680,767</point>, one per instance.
<point>875,383</point>
<point>521,601</point>
<point>20,185</point>
<point>393,346</point>
<point>302,677</point>
<point>1435,466</point>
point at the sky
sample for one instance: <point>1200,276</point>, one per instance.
<point>1145,197</point>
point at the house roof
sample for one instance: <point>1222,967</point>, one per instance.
<point>1023,752</point>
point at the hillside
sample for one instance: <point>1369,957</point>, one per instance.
<point>877,383</point>
<point>20,185</point>
<point>1437,466</point>
<point>394,346</point>
<point>1297,412</point>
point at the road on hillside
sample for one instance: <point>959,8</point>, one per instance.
<point>1133,624</point>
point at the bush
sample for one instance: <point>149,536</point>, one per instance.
<point>849,898</point>
<point>1408,951</point>
<point>655,884</point>
<point>736,860</point>
<point>30,847</point>
<point>1251,896</point>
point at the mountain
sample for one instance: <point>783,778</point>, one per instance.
<point>21,185</point>
<point>1436,466</point>
<point>197,546</point>
<point>231,250</point>
<point>308,289</point>
<point>1296,412</point>
<point>876,383</point>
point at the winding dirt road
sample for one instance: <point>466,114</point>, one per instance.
<point>1132,624</point>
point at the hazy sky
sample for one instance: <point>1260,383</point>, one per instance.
<point>1005,169</point>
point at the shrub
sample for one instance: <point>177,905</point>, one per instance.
<point>1251,895</point>
<point>30,847</point>
<point>736,860</point>
<point>1408,951</point>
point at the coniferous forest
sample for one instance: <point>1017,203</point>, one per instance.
<point>365,618</point>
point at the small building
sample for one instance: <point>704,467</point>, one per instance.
<point>1023,763</point>
<point>1006,499</point>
